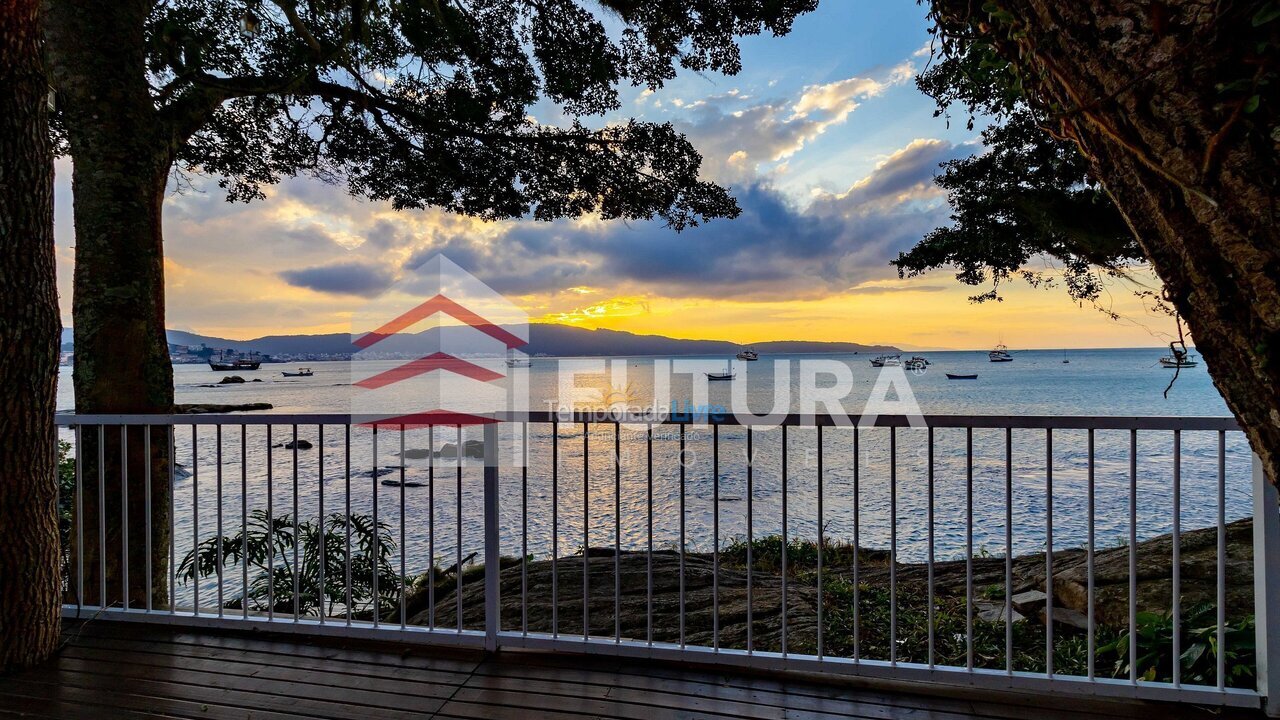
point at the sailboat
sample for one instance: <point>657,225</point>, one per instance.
<point>1064,356</point>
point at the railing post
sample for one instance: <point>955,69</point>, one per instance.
<point>1266,586</point>
<point>492,554</point>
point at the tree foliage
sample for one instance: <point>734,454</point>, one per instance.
<point>475,106</point>
<point>267,546</point>
<point>1028,194</point>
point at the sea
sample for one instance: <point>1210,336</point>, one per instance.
<point>634,487</point>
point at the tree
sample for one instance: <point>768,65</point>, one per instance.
<point>418,102</point>
<point>29,333</point>
<point>1172,107</point>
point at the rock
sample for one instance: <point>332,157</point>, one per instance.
<point>416,453</point>
<point>470,449</point>
<point>298,444</point>
<point>1067,617</point>
<point>204,408</point>
<point>230,379</point>
<point>995,613</point>
<point>257,380</point>
<point>1029,600</point>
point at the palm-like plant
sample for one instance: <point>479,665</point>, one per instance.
<point>267,545</point>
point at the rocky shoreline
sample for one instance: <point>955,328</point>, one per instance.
<point>1070,589</point>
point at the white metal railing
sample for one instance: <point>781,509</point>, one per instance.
<point>266,511</point>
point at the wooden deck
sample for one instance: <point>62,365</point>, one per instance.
<point>110,669</point>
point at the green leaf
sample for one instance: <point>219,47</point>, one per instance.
<point>1266,13</point>
<point>1252,103</point>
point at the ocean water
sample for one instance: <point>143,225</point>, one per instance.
<point>865,496</point>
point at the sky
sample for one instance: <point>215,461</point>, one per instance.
<point>824,141</point>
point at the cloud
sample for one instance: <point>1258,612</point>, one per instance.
<point>346,278</point>
<point>734,138</point>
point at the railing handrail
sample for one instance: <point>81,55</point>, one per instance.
<point>1056,422</point>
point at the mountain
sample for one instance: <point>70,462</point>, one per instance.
<point>544,339</point>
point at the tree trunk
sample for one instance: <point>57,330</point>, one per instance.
<point>121,165</point>
<point>29,335</point>
<point>1138,84</point>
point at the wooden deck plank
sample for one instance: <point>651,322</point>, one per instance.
<point>112,669</point>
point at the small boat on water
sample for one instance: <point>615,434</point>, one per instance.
<point>958,376</point>
<point>915,363</point>
<point>728,374</point>
<point>239,363</point>
<point>887,361</point>
<point>1000,353</point>
<point>519,363</point>
<point>1178,357</point>
<point>302,372</point>
<point>748,354</point>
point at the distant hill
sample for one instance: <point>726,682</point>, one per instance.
<point>544,339</point>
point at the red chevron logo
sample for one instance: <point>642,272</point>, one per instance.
<point>430,363</point>
<point>438,304</point>
<point>430,418</point>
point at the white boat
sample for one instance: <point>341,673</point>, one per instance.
<point>915,363</point>
<point>1000,353</point>
<point>302,372</point>
<point>519,363</point>
<point>887,361</point>
<point>748,354</point>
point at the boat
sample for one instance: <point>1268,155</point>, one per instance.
<point>915,363</point>
<point>748,355</point>
<point>519,363</point>
<point>302,372</point>
<point>920,359</point>
<point>728,374</point>
<point>1178,356</point>
<point>957,376</point>
<point>1000,353</point>
<point>240,363</point>
<point>1064,357</point>
<point>887,361</point>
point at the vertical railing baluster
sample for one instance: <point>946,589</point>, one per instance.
<point>524,530</point>
<point>492,538</point>
<point>1008,550</point>
<point>323,595</point>
<point>715,534</point>
<point>458,523</point>
<point>195,516</point>
<point>931,619</point>
<point>968,552</point>
<point>1133,556</point>
<point>1048,552</point>
<point>783,637</point>
<point>1176,611</point>
<point>1222,560</point>
<point>244,522</point>
<point>1089,571</point>
<point>271,525</point>
<point>750,538</point>
<point>79,500</point>
<point>404,572</point>
<point>146,479</point>
<point>821,542</point>
<point>857,547</point>
<point>431,527</point>
<point>297,565</point>
<point>555,528</point>
<point>173,521</point>
<point>102,517</point>
<point>617,532</point>
<point>682,544</point>
<point>346,462</point>
<point>648,589</point>
<point>218,498</point>
<point>893,544</point>
<point>586,529</point>
<point>375,561</point>
<point>124,517</point>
